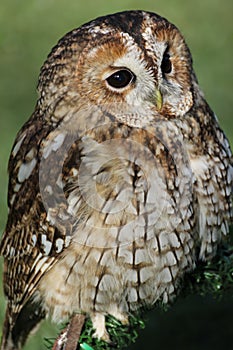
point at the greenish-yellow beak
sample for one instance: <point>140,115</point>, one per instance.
<point>158,99</point>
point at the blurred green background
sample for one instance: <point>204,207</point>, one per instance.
<point>28,30</point>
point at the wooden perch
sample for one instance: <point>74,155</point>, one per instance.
<point>69,337</point>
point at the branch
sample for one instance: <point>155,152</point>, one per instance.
<point>69,337</point>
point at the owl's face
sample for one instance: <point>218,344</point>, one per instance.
<point>134,58</point>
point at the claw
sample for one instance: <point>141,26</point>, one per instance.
<point>98,322</point>
<point>123,318</point>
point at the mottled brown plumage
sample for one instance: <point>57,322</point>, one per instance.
<point>118,183</point>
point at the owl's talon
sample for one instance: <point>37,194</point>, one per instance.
<point>123,318</point>
<point>102,336</point>
<point>98,322</point>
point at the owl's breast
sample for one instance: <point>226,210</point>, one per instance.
<point>133,226</point>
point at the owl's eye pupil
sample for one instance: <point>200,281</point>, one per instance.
<point>166,65</point>
<point>120,79</point>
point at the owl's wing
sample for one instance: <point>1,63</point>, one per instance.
<point>43,171</point>
<point>36,232</point>
<point>28,243</point>
<point>212,165</point>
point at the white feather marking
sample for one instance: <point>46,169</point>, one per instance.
<point>26,169</point>
<point>12,252</point>
<point>67,241</point>
<point>132,295</point>
<point>107,282</point>
<point>131,276</point>
<point>199,166</point>
<point>100,298</point>
<point>140,256</point>
<point>59,245</point>
<point>41,264</point>
<point>163,240</point>
<point>17,187</point>
<point>165,276</point>
<point>223,229</point>
<point>49,189</point>
<point>59,181</point>
<point>144,292</point>
<point>46,243</point>
<point>170,258</point>
<point>146,274</point>
<point>18,145</point>
<point>30,155</point>
<point>50,217</point>
<point>36,260</point>
<point>12,199</point>
<point>53,145</point>
<point>126,255</point>
<point>126,234</point>
<point>34,240</point>
<point>165,298</point>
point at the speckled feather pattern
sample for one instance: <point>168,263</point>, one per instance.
<point>113,195</point>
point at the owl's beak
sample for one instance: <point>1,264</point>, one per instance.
<point>158,99</point>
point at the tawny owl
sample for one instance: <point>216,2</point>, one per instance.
<point>118,183</point>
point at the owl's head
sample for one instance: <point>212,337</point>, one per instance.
<point>135,58</point>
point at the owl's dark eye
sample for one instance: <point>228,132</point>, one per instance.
<point>120,79</point>
<point>166,65</point>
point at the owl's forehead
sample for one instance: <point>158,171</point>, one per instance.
<point>147,32</point>
<point>133,22</point>
<point>140,26</point>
